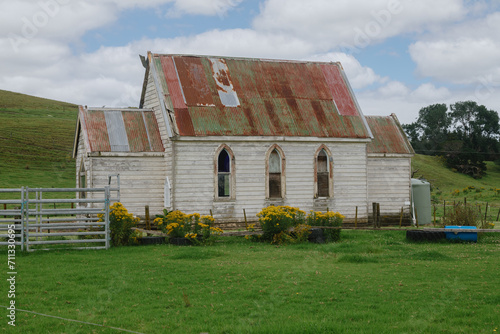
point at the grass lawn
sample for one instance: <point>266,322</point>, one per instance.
<point>370,282</point>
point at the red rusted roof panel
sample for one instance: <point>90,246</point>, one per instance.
<point>139,127</point>
<point>388,137</point>
<point>339,90</point>
<point>97,131</point>
<point>153,131</point>
<point>184,122</point>
<point>193,80</point>
<point>253,97</point>
<point>174,88</point>
<point>136,131</point>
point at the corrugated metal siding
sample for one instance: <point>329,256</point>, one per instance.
<point>388,137</point>
<point>241,97</point>
<point>121,130</point>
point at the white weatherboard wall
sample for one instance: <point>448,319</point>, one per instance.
<point>194,178</point>
<point>141,179</point>
<point>152,101</point>
<point>389,183</point>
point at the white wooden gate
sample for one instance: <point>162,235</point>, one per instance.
<point>45,216</point>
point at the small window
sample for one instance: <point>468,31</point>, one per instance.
<point>275,175</point>
<point>322,174</point>
<point>224,174</point>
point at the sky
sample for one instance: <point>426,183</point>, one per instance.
<point>399,55</point>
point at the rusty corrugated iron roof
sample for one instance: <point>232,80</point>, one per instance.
<point>214,96</point>
<point>120,130</point>
<point>388,136</point>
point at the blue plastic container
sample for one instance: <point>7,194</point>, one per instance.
<point>466,236</point>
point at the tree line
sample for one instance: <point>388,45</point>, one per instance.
<point>465,134</point>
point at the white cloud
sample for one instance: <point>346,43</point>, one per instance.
<point>202,7</point>
<point>430,93</point>
<point>353,23</point>
<point>394,89</point>
<point>465,54</point>
<point>232,42</point>
<point>52,19</point>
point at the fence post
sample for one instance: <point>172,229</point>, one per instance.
<point>434,215</point>
<point>486,213</point>
<point>106,215</point>
<point>416,217</point>
<point>148,225</point>
<point>245,215</point>
<point>374,214</point>
<point>444,212</point>
<point>26,210</point>
<point>401,217</point>
<point>356,218</point>
<point>23,226</point>
<point>378,215</point>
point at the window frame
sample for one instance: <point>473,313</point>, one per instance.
<point>329,172</point>
<point>232,187</point>
<point>281,154</point>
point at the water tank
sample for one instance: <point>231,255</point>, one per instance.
<point>421,201</point>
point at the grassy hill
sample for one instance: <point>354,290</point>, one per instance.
<point>36,141</point>
<point>450,186</point>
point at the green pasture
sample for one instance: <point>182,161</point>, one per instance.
<point>369,282</point>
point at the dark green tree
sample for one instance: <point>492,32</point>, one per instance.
<point>475,136</point>
<point>429,133</point>
<point>466,136</point>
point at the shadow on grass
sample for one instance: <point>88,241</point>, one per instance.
<point>357,258</point>
<point>430,256</point>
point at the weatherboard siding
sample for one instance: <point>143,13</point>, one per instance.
<point>194,187</point>
<point>389,184</point>
<point>152,101</point>
<point>141,180</point>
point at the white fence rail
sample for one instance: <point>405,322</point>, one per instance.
<point>45,216</point>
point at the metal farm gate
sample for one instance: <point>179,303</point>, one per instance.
<point>55,216</point>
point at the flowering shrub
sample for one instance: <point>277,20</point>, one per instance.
<point>301,232</point>
<point>277,223</point>
<point>331,219</point>
<point>120,224</point>
<point>194,227</point>
<point>253,237</point>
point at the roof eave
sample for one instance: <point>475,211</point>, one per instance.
<point>402,132</point>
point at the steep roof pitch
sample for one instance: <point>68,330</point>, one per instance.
<point>215,96</point>
<point>118,130</point>
<point>388,136</point>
